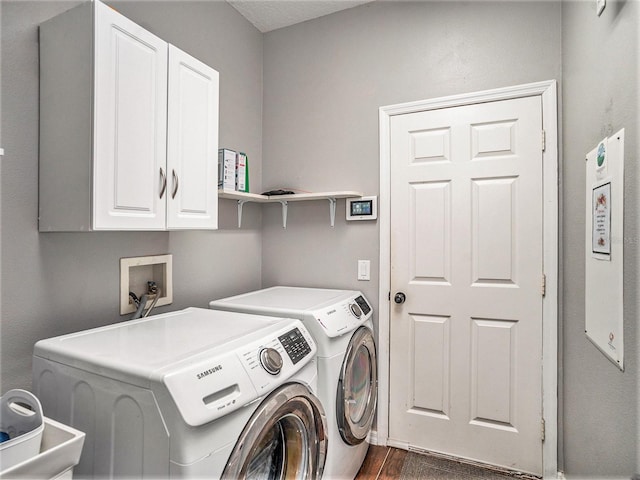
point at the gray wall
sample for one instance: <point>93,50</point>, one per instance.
<point>600,89</point>
<point>324,81</point>
<point>54,283</point>
<point>1,145</point>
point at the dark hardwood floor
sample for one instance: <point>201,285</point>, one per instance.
<point>384,463</point>
<point>387,463</point>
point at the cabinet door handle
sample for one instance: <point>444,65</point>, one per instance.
<point>163,182</point>
<point>175,184</point>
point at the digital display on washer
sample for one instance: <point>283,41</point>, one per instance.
<point>361,207</point>
<point>295,345</point>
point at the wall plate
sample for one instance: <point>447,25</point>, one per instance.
<point>135,272</point>
<point>362,208</point>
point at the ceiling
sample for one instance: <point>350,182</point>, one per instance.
<point>267,15</point>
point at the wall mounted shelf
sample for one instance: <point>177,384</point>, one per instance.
<point>243,197</point>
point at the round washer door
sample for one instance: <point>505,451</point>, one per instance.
<point>284,438</point>
<point>357,388</point>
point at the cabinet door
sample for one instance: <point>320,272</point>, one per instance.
<point>130,84</point>
<point>192,143</point>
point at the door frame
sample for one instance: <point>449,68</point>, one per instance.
<point>547,90</point>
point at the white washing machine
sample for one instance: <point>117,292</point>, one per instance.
<point>190,394</point>
<point>340,321</point>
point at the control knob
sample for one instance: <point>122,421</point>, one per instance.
<point>355,309</point>
<point>271,360</point>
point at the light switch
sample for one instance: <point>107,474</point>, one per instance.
<point>364,270</point>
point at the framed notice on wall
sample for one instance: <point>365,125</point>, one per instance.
<point>604,247</point>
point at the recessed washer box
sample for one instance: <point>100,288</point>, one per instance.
<point>135,272</point>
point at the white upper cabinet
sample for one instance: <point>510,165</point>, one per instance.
<point>192,143</point>
<point>130,120</point>
<point>128,128</point>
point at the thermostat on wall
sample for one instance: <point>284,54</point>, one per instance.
<point>363,208</point>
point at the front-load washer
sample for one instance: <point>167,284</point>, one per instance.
<point>190,394</point>
<point>340,321</point>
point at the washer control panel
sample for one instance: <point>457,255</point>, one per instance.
<point>295,345</point>
<point>241,371</point>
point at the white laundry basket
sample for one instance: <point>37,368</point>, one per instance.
<point>24,427</point>
<point>59,454</point>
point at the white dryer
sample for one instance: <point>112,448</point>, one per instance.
<point>340,321</point>
<point>190,394</point>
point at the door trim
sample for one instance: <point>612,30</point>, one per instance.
<point>547,90</point>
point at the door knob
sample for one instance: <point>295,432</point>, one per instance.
<point>399,298</point>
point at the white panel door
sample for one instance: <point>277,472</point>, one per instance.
<point>129,124</point>
<point>192,150</point>
<point>466,249</point>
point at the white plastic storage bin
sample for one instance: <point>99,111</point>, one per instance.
<point>59,453</point>
<point>23,426</point>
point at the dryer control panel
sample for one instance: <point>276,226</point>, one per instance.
<point>344,317</point>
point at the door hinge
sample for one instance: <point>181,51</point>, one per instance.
<point>542,429</point>
<point>543,285</point>
<point>389,296</point>
<point>544,140</point>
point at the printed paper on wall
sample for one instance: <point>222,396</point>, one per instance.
<point>601,222</point>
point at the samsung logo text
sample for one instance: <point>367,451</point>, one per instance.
<point>215,369</point>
